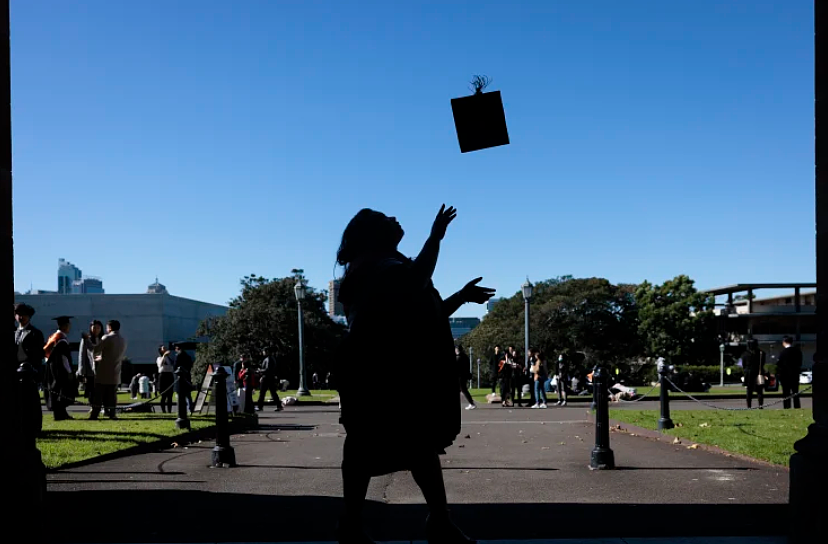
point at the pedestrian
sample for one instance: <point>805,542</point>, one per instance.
<point>237,368</point>
<point>562,371</point>
<point>166,378</point>
<point>28,340</point>
<point>464,374</point>
<point>494,367</point>
<point>245,378</point>
<point>412,435</point>
<point>269,378</point>
<point>86,358</point>
<point>109,354</point>
<point>516,383</point>
<point>315,381</point>
<point>504,370</point>
<point>59,375</point>
<point>183,385</point>
<point>539,372</point>
<point>133,386</point>
<point>788,368</point>
<point>753,363</point>
<point>328,381</point>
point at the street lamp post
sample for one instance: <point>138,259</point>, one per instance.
<point>299,291</point>
<point>527,298</point>
<point>721,364</point>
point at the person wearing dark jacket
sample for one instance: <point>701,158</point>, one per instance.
<point>59,375</point>
<point>787,370</point>
<point>28,338</point>
<point>753,364</point>
<point>184,385</point>
<point>377,280</point>
<point>269,377</point>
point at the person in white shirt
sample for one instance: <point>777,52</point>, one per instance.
<point>166,378</point>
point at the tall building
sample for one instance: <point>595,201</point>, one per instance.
<point>462,325</point>
<point>335,307</point>
<point>68,274</point>
<point>491,304</point>
<point>88,286</point>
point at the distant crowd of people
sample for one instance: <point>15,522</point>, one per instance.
<point>534,375</point>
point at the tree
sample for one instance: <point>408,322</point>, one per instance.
<point>265,315</point>
<point>676,321</point>
<point>588,315</point>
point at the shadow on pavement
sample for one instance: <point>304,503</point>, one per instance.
<point>191,516</point>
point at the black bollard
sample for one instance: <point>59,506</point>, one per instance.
<point>223,453</point>
<point>602,456</point>
<point>248,394</point>
<point>664,422</point>
<point>30,467</point>
<point>182,388</point>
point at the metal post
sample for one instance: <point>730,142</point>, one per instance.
<point>182,382</point>
<point>478,372</point>
<point>602,456</point>
<point>526,334</point>
<point>223,453</point>
<point>303,390</point>
<point>721,364</point>
<point>664,422</point>
<point>808,469</point>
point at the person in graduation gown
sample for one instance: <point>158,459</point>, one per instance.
<point>59,375</point>
<point>392,307</point>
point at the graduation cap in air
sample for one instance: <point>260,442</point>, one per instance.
<point>63,319</point>
<point>479,118</point>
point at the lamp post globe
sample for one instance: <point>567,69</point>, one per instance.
<point>300,291</point>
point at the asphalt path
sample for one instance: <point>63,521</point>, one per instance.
<point>511,474</point>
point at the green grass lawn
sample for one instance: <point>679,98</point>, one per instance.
<point>762,434</point>
<point>70,441</point>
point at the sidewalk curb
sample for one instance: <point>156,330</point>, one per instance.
<point>622,427</point>
<point>236,427</point>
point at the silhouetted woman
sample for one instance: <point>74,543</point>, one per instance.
<point>393,307</point>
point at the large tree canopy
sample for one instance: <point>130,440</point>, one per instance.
<point>265,315</point>
<point>677,322</point>
<point>588,315</point>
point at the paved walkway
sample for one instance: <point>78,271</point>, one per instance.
<point>515,474</point>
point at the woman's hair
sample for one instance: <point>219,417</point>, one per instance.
<point>162,349</point>
<point>98,323</point>
<point>367,232</point>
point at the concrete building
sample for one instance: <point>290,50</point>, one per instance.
<point>147,320</point>
<point>462,325</point>
<point>743,316</point>
<point>334,306</point>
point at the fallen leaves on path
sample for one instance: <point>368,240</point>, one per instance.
<point>676,440</point>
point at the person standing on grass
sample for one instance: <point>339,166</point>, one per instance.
<point>28,339</point>
<point>411,436</point>
<point>144,386</point>
<point>109,353</point>
<point>464,374</point>
<point>753,363</point>
<point>86,358</point>
<point>562,376</point>
<point>788,369</point>
<point>183,385</point>
<point>269,378</point>
<point>59,375</point>
<point>166,378</point>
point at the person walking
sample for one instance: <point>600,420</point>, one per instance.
<point>753,364</point>
<point>464,374</point>
<point>59,375</point>
<point>412,435</point>
<point>86,359</point>
<point>562,371</point>
<point>539,372</point>
<point>133,386</point>
<point>788,369</point>
<point>183,385</point>
<point>166,378</point>
<point>269,379</point>
<point>28,340</point>
<point>109,354</point>
<point>494,367</point>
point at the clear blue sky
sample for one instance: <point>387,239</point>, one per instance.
<point>205,140</point>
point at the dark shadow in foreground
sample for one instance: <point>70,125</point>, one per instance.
<point>192,517</point>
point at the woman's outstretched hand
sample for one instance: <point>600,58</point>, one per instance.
<point>475,293</point>
<point>441,222</point>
